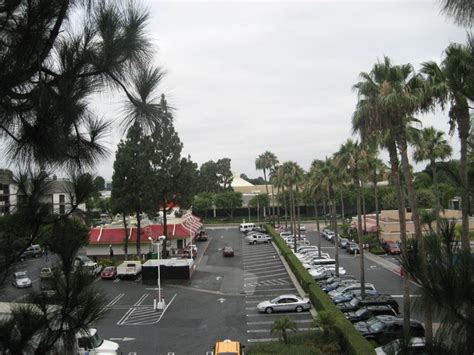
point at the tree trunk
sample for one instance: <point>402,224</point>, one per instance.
<point>402,145</point>
<point>299,213</point>
<point>336,236</point>
<point>342,206</point>
<point>139,234</point>
<point>358,186</point>
<point>394,164</point>
<point>125,242</point>
<point>266,184</point>
<point>463,131</point>
<point>377,218</point>
<point>272,200</point>
<point>286,209</point>
<point>363,209</point>
<point>164,252</point>
<point>436,193</point>
<point>325,213</point>
<point>317,226</point>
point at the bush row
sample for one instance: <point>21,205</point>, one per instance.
<point>352,340</point>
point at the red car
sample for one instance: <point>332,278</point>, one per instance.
<point>109,273</point>
<point>391,248</point>
<point>228,251</point>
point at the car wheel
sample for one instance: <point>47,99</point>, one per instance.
<point>299,309</point>
<point>254,242</point>
<point>269,310</point>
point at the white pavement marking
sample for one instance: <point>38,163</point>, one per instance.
<point>261,340</point>
<point>268,330</point>
<point>248,270</point>
<point>263,276</point>
<point>271,322</point>
<point>279,314</point>
<point>270,290</point>
<point>265,262</point>
<point>401,296</point>
<point>115,300</point>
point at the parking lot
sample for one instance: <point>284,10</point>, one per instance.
<point>219,302</point>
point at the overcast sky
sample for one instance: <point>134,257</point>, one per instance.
<point>246,76</point>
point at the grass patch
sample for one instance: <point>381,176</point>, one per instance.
<point>308,343</point>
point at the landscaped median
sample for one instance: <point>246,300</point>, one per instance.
<point>353,342</point>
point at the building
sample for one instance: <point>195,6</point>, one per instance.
<point>181,233</point>
<point>59,195</point>
<point>249,190</point>
<point>390,224</point>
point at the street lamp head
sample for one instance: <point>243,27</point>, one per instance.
<point>150,239</point>
<point>161,237</point>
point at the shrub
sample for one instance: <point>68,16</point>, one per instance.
<point>377,250</point>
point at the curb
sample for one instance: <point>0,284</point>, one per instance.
<point>293,279</point>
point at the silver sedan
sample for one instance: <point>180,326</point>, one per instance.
<point>285,303</point>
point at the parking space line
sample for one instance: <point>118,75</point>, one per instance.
<point>268,330</point>
<point>248,270</point>
<point>272,290</point>
<point>256,257</point>
<point>271,322</point>
<point>279,314</point>
<point>263,276</point>
<point>262,340</point>
<point>265,262</point>
<point>115,300</point>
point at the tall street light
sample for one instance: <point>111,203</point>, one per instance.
<point>161,302</point>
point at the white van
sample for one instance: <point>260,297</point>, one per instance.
<point>246,227</point>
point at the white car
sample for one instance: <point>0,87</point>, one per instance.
<point>21,279</point>
<point>285,234</point>
<point>323,270</point>
<point>349,288</point>
<point>258,238</point>
<point>284,303</point>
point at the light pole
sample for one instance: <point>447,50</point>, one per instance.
<point>256,192</point>
<point>161,302</point>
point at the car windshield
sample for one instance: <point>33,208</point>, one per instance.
<point>109,269</point>
<point>21,275</point>
<point>275,300</point>
<point>360,312</point>
<point>355,302</point>
<point>96,340</point>
<point>376,327</point>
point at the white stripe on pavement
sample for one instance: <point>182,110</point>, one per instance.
<point>270,322</point>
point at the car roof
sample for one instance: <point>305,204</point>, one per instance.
<point>289,295</point>
<point>20,273</point>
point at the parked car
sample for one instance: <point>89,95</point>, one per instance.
<point>343,242</point>
<point>201,237</point>
<point>33,251</point>
<point>325,271</point>
<point>347,296</point>
<point>284,303</point>
<point>329,235</point>
<point>391,248</point>
<point>87,264</point>
<point>332,286</point>
<point>357,302</point>
<point>353,248</point>
<point>109,273</point>
<point>302,228</point>
<point>129,269</point>
<point>228,251</point>
<point>415,346</point>
<point>46,273</point>
<point>312,261</point>
<point>285,234</point>
<point>258,238</point>
<point>338,279</point>
<point>350,288</point>
<point>21,279</point>
<point>367,312</point>
<point>388,328</point>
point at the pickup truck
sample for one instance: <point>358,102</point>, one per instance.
<point>129,269</point>
<point>90,266</point>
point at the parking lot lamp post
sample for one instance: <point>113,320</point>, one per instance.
<point>161,303</point>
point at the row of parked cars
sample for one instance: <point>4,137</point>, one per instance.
<point>376,316</point>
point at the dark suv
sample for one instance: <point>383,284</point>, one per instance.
<point>383,329</point>
<point>33,251</point>
<point>357,302</point>
<point>367,312</point>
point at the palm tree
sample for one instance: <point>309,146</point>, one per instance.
<point>452,83</point>
<point>316,189</point>
<point>431,145</point>
<point>292,175</point>
<point>461,10</point>
<point>267,161</point>
<point>145,110</point>
<point>368,122</point>
<point>349,157</point>
<point>329,180</point>
<point>282,326</point>
<point>446,288</point>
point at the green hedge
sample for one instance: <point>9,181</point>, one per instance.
<point>352,340</point>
